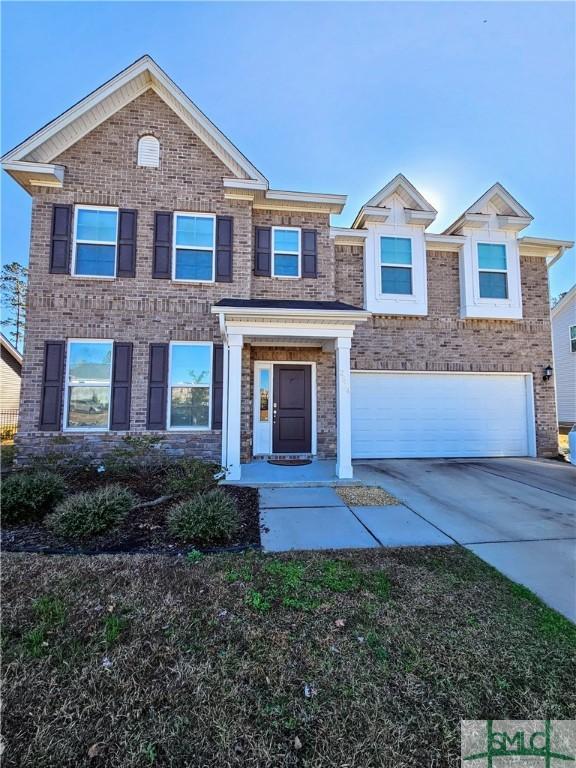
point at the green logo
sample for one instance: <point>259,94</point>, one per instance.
<point>551,740</point>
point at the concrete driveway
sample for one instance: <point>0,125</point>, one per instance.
<point>519,515</point>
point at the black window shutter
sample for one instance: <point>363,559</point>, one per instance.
<point>126,257</point>
<point>61,239</point>
<point>52,386</point>
<point>121,386</point>
<point>262,251</point>
<point>309,256</point>
<point>162,262</point>
<point>157,386</point>
<point>217,385</point>
<point>224,239</point>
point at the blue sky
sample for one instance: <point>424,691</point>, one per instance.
<point>330,97</point>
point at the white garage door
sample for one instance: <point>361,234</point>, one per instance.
<point>421,415</point>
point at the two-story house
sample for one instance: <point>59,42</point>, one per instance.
<point>174,292</point>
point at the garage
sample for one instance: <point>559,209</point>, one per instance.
<point>426,415</point>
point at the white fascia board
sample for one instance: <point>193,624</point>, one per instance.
<point>372,214</point>
<point>544,247</point>
<point>345,236</point>
<point>313,314</point>
<point>336,203</point>
<point>473,220</point>
<point>419,217</point>
<point>513,223</point>
<point>497,190</point>
<point>35,174</point>
<point>443,242</point>
<point>247,184</point>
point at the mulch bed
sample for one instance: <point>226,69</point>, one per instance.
<point>143,531</point>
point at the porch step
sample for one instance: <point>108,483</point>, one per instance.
<point>258,473</point>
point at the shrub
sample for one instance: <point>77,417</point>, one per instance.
<point>190,475</point>
<point>28,496</point>
<point>91,512</point>
<point>207,519</point>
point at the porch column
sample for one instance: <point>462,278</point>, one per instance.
<point>234,406</point>
<point>343,408</point>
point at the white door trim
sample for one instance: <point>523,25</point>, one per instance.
<point>259,438</point>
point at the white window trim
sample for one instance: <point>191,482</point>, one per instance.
<point>263,437</point>
<point>573,351</point>
<point>402,266</point>
<point>286,253</point>
<point>415,303</point>
<point>472,304</point>
<point>488,299</point>
<point>171,345</point>
<point>192,215</point>
<point>67,385</point>
<point>75,241</point>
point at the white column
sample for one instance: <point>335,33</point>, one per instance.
<point>343,409</point>
<point>233,422</point>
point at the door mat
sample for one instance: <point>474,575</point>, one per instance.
<point>289,462</point>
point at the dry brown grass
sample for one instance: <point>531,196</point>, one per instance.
<point>365,496</point>
<point>361,659</point>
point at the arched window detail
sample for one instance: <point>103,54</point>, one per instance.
<point>149,151</point>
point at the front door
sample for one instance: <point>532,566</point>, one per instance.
<point>292,409</point>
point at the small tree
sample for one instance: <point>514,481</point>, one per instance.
<point>14,286</point>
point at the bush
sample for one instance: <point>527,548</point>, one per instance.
<point>91,512</point>
<point>28,496</point>
<point>207,519</point>
<point>190,476</point>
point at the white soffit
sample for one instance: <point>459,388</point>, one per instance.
<point>263,198</point>
<point>544,247</point>
<point>61,133</point>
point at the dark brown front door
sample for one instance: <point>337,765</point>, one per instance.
<point>292,410</point>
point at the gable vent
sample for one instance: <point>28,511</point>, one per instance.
<point>149,151</point>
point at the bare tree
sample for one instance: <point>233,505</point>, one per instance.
<point>13,287</point>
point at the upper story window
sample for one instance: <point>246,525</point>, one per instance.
<point>194,247</point>
<point>149,151</point>
<point>95,238</point>
<point>88,385</point>
<point>492,271</point>
<point>190,386</point>
<point>396,265</point>
<point>286,249</point>
<point>573,338</point>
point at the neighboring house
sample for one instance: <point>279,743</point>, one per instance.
<point>174,292</point>
<point>10,375</point>
<point>564,346</point>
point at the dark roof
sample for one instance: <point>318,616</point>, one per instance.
<point>338,306</point>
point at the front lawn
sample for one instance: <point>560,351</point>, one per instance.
<point>361,659</point>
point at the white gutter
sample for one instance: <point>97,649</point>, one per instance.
<point>323,314</point>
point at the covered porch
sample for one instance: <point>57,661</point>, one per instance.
<point>286,384</point>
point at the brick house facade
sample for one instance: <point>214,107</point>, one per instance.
<point>325,319</point>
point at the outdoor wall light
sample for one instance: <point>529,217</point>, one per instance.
<point>548,373</point>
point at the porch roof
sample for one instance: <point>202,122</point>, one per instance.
<point>283,304</point>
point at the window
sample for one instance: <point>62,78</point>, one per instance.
<point>285,252</point>
<point>573,338</point>
<point>492,271</point>
<point>194,247</point>
<point>396,265</point>
<point>190,386</point>
<point>95,237</point>
<point>264,394</point>
<point>88,384</point>
<point>149,151</point>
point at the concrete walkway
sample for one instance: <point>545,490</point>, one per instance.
<point>317,518</point>
<point>519,515</point>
